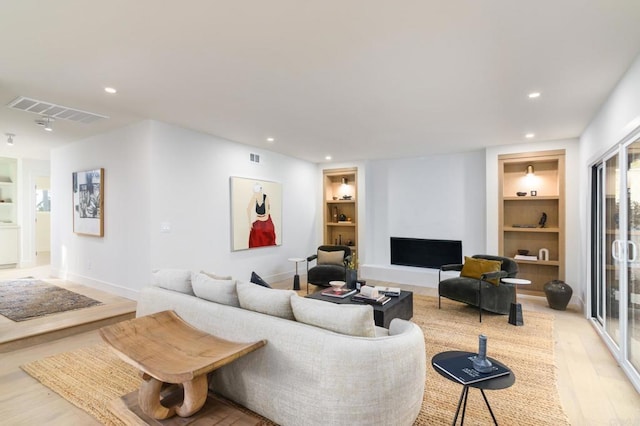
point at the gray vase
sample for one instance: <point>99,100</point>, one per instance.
<point>351,278</point>
<point>480,362</point>
<point>558,294</point>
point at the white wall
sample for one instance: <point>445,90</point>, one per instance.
<point>190,190</point>
<point>156,173</point>
<point>572,206</point>
<point>119,261</point>
<point>436,197</point>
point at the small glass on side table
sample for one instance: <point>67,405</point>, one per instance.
<point>515,312</point>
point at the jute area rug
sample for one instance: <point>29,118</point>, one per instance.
<point>92,377</point>
<point>24,299</point>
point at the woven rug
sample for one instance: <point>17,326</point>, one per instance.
<point>92,377</point>
<point>24,299</point>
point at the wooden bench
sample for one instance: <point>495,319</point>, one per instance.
<point>168,350</point>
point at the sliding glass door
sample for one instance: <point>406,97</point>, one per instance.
<point>615,290</point>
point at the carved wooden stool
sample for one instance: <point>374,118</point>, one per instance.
<point>168,350</point>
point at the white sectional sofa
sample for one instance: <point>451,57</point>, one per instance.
<point>305,375</point>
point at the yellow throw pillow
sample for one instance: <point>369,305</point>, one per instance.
<point>474,268</point>
<point>331,257</point>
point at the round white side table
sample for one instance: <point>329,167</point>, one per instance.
<point>296,277</point>
<point>515,312</point>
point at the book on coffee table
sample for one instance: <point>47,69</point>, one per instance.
<point>339,293</point>
<point>388,291</point>
<point>377,300</point>
<point>461,369</point>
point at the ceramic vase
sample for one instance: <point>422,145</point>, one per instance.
<point>480,362</point>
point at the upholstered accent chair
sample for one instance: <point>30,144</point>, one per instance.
<point>331,265</point>
<point>479,283</point>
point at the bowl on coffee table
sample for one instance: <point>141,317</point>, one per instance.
<point>336,285</point>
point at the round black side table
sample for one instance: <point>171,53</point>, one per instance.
<point>496,383</point>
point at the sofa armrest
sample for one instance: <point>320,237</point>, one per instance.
<point>312,257</point>
<point>494,275</point>
<point>452,267</point>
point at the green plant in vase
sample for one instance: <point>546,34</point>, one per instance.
<point>351,272</point>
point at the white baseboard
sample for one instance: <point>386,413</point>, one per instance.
<point>97,284</point>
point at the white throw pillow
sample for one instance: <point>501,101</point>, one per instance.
<point>219,291</point>
<point>217,276</point>
<point>265,300</point>
<point>331,257</point>
<point>353,320</point>
<point>173,279</point>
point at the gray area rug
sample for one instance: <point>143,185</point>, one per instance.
<point>25,299</point>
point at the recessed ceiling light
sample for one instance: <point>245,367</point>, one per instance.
<point>270,139</point>
<point>534,95</point>
<point>530,135</point>
<point>328,157</point>
<point>110,90</point>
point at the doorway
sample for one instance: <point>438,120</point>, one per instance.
<point>43,220</point>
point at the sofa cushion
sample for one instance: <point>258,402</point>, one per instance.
<point>216,276</point>
<point>214,290</point>
<point>173,279</point>
<point>268,301</point>
<point>257,279</point>
<point>474,268</point>
<point>353,320</point>
<point>331,257</point>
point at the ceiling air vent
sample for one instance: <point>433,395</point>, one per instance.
<point>254,158</point>
<point>58,112</point>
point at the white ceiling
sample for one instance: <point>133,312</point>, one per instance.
<point>356,79</point>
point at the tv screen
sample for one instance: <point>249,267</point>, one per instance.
<point>425,253</point>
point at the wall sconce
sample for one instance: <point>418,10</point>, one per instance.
<point>344,181</point>
<point>530,171</point>
<point>10,138</point>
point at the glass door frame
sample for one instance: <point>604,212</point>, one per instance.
<point>597,261</point>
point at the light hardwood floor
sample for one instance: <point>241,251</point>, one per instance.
<point>593,389</point>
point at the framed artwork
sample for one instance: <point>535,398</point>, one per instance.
<point>256,213</point>
<point>88,202</point>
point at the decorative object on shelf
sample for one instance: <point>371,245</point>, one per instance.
<point>335,214</point>
<point>343,217</point>
<point>530,171</point>
<point>543,220</point>
<point>88,202</point>
<point>534,193</point>
<point>346,197</point>
<point>521,194</point>
<point>480,362</point>
<point>543,254</point>
<point>256,213</point>
<point>558,294</point>
<point>523,252</point>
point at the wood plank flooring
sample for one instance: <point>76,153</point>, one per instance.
<point>593,390</point>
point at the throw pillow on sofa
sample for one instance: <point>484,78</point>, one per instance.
<point>268,301</point>
<point>215,290</point>
<point>257,279</point>
<point>217,276</point>
<point>474,268</point>
<point>352,320</point>
<point>331,257</point>
<point>173,279</point>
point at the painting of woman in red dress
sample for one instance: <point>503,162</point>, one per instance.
<point>261,229</point>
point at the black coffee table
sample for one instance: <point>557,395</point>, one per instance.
<point>399,307</point>
<point>496,383</point>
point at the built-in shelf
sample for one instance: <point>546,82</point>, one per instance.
<point>547,183</point>
<point>9,231</point>
<point>338,184</point>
